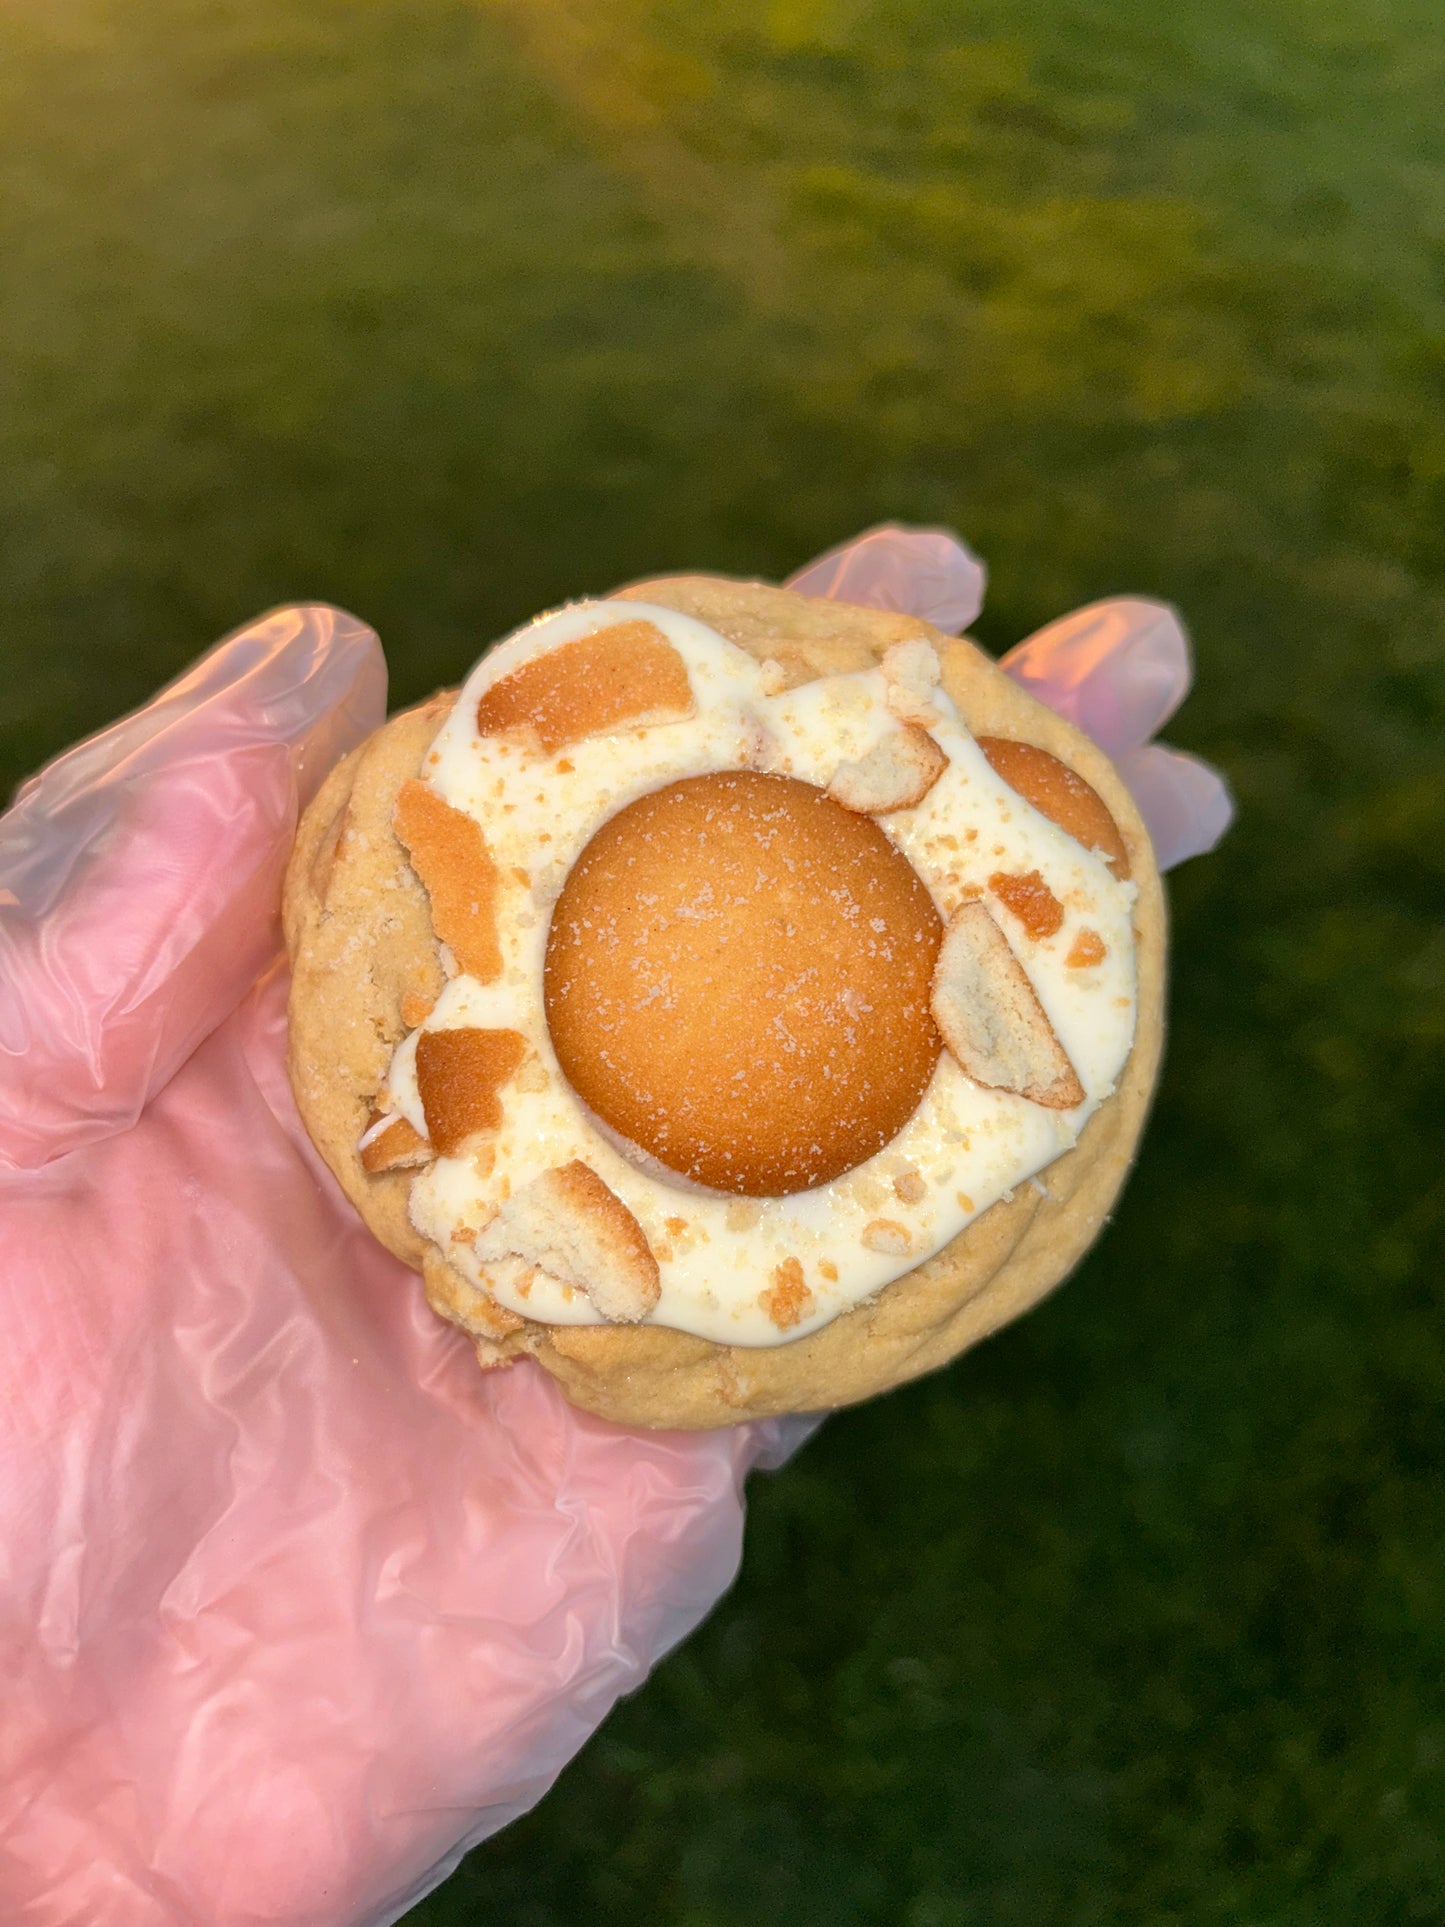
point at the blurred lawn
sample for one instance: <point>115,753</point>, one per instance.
<point>445,311</point>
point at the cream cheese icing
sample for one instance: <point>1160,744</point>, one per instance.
<point>964,1147</point>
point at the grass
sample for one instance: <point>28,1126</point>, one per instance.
<point>445,311</point>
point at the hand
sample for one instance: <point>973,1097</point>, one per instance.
<point>296,1603</point>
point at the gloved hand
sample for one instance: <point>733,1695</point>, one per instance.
<point>295,1604</point>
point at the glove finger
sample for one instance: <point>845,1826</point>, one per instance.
<point>918,572</point>
<point>140,872</point>
<point>1185,804</point>
<point>1114,669</point>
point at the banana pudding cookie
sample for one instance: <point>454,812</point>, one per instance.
<point>737,1002</point>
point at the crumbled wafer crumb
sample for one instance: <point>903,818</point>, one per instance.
<point>911,673</point>
<point>1031,901</point>
<point>895,774</point>
<point>991,1018</point>
<point>1088,949</point>
<point>450,855</point>
<point>568,1223</point>
<point>787,1301</point>
<point>400,1146</point>
<point>1060,794</point>
<point>885,1235</point>
<point>623,675</point>
<point>459,1074</point>
<point>532,1077</point>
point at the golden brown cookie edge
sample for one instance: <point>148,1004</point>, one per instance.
<point>650,1376</point>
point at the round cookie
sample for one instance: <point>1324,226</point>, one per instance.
<point>365,963</point>
<point>737,894</point>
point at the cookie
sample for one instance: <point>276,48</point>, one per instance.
<point>728,1227</point>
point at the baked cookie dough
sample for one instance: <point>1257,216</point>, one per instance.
<point>621,869</point>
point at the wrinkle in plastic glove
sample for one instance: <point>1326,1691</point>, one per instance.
<point>295,1604</point>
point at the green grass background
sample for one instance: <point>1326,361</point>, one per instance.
<point>446,309</point>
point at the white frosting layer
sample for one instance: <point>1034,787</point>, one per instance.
<point>963,1148</point>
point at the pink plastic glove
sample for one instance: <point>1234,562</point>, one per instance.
<point>295,1604</point>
